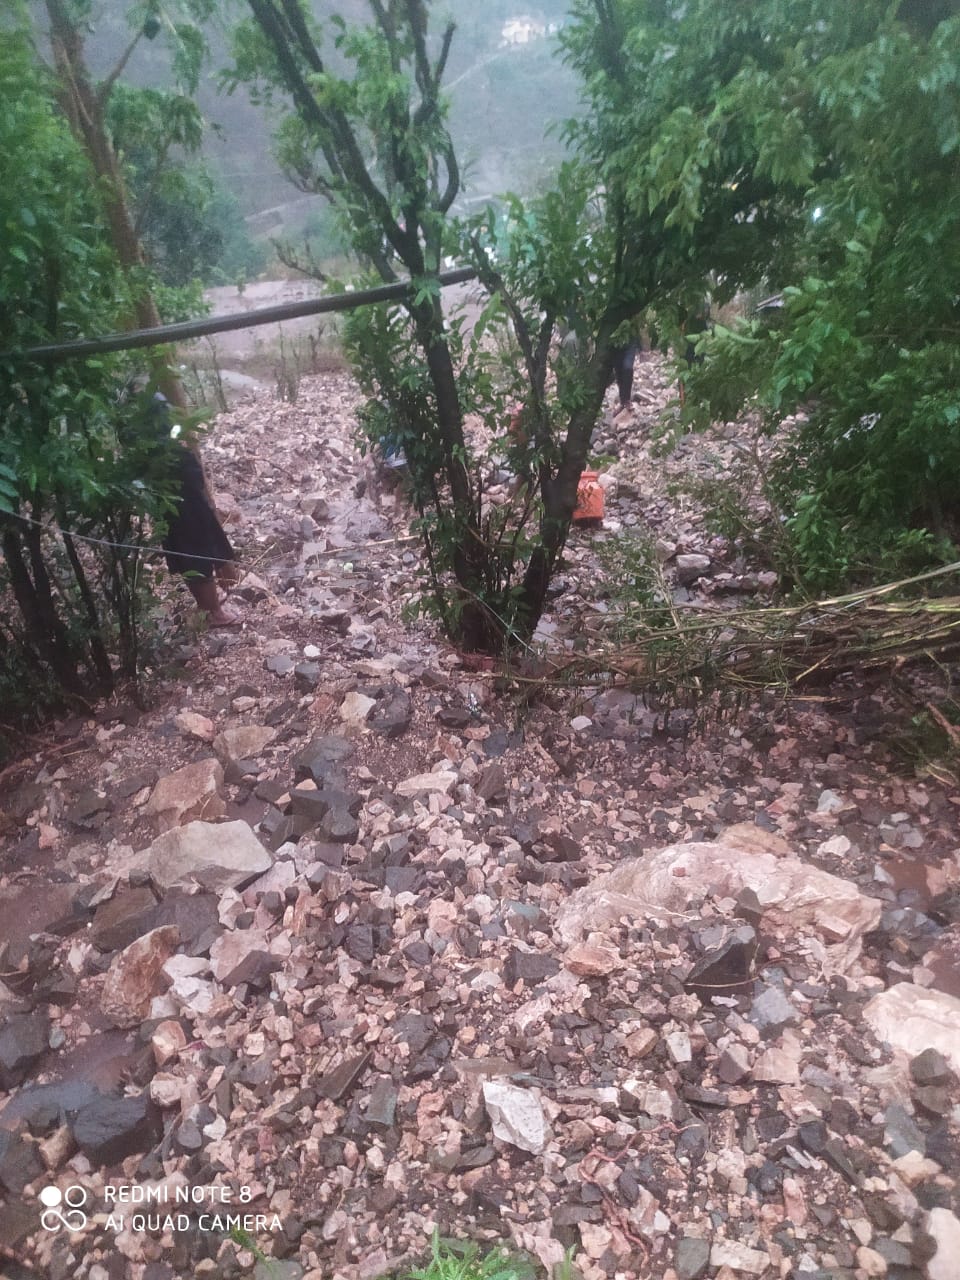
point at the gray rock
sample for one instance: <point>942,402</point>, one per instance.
<point>734,1064</point>
<point>339,827</point>
<point>110,1129</point>
<point>931,1067</point>
<point>280,664</point>
<point>690,567</point>
<point>23,1039</point>
<point>306,676</point>
<point>692,1257</point>
<point>771,1011</point>
<point>393,717</point>
<point>726,970</point>
<point>492,784</point>
<point>382,1106</point>
<point>900,1132</point>
<point>19,1162</point>
<point>530,967</point>
<point>123,918</point>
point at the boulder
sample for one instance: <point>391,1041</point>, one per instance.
<point>134,977</point>
<point>912,1018</point>
<point>224,856</point>
<point>790,896</point>
<point>123,918</point>
<point>191,793</point>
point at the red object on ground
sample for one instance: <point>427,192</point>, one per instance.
<point>589,498</point>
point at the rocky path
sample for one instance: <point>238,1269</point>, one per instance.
<point>332,946</point>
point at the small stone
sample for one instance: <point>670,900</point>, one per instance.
<point>728,969</point>
<point>678,1047</point>
<point>529,967</point>
<point>123,918</point>
<point>734,1064</point>
<point>356,707</point>
<point>900,1132</point>
<point>771,1011</point>
<point>870,1262</point>
<point>692,1257</point>
<point>193,725</point>
<point>226,855</point>
<point>589,961</point>
<point>931,1068</point>
<point>382,1105</point>
<point>440,783</point>
<point>690,567</point>
<point>738,1257</point>
<point>337,1083</point>
<point>516,1115</point>
<point>580,723</point>
<point>242,742</point>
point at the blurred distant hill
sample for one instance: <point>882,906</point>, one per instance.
<point>505,85</point>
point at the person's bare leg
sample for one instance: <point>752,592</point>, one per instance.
<point>204,591</point>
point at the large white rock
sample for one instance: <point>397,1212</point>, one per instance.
<point>517,1115</point>
<point>945,1229</point>
<point>794,897</point>
<point>227,854</point>
<point>912,1019</point>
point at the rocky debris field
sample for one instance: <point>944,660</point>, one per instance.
<point>334,946</point>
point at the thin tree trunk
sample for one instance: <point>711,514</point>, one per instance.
<point>84,108</point>
<point>100,659</point>
<point>45,632</point>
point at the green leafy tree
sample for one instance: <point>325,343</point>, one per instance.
<point>369,131</point>
<point>814,146</point>
<point>68,617</point>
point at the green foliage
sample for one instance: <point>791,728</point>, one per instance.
<point>69,614</point>
<point>463,1260</point>
<point>843,123</point>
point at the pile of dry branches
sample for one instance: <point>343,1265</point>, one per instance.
<point>682,653</point>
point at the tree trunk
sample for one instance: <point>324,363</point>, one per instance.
<point>36,607</point>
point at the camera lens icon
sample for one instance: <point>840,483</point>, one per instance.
<point>63,1209</point>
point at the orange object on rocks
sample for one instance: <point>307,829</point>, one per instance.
<point>589,508</point>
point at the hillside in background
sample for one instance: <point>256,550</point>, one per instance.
<point>507,89</point>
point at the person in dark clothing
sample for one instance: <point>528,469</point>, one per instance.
<point>195,543</point>
<point>621,366</point>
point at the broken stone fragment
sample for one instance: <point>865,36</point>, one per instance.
<point>516,1115</point>
<point>193,725</point>
<point>133,978</point>
<point>191,793</point>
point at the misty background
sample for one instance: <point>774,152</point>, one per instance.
<point>507,89</point>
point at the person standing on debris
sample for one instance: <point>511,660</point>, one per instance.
<point>622,360</point>
<point>195,543</point>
